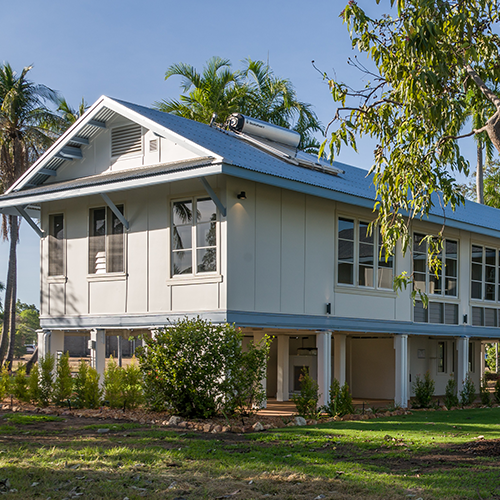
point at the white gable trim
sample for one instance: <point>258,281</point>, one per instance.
<point>87,119</point>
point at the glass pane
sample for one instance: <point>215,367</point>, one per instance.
<point>364,235</point>
<point>490,317</point>
<point>182,262</point>
<point>419,282</point>
<point>346,229</point>
<point>490,255</point>
<point>383,263</point>
<point>182,236</point>
<point>207,260</point>
<point>97,241</point>
<point>115,243</point>
<point>419,263</point>
<point>451,268</point>
<point>489,291</point>
<point>346,250</point>
<point>477,272</point>
<point>435,284</point>
<point>436,312</point>
<point>366,254</point>
<point>451,314</point>
<point>182,212</point>
<point>418,244</point>
<point>441,357</point>
<point>206,210</point>
<point>490,273</point>
<point>385,278</point>
<point>477,316</point>
<point>206,234</point>
<point>477,254</point>
<point>56,245</point>
<point>365,276</point>
<point>451,249</point>
<point>419,313</point>
<point>476,290</point>
<point>451,287</point>
<point>345,273</point>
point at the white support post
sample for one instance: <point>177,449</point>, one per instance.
<point>482,364</point>
<point>283,375</point>
<point>119,348</point>
<point>97,346</point>
<point>496,357</point>
<point>324,345</point>
<point>257,337</point>
<point>463,362</point>
<point>401,391</point>
<point>43,343</point>
<point>339,359</point>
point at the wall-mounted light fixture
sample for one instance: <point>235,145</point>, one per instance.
<point>328,308</point>
<point>241,196</point>
<point>465,319</point>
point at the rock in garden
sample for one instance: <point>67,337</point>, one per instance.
<point>300,421</point>
<point>102,431</point>
<point>257,427</point>
<point>174,421</point>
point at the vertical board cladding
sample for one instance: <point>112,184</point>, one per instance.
<point>267,248</point>
<point>241,246</point>
<point>292,252</point>
<point>57,298</point>
<point>107,297</point>
<point>319,254</point>
<point>372,368</point>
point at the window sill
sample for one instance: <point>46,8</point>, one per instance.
<point>57,279</point>
<point>192,280</point>
<point>107,277</point>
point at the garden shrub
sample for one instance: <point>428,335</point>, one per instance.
<point>450,394</point>
<point>19,384</point>
<point>63,387</point>
<point>340,400</point>
<point>5,382</point>
<point>34,391</point>
<point>133,394</point>
<point>113,381</point>
<point>424,390</point>
<point>46,379</point>
<point>88,394</point>
<point>198,369</point>
<point>484,392</point>
<point>307,400</point>
<point>496,393</point>
<point>468,393</point>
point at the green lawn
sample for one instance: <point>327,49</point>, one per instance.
<point>424,455</point>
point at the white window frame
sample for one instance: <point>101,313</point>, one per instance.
<point>107,274</point>
<point>56,277</point>
<point>483,282</point>
<point>428,273</point>
<point>356,263</point>
<point>194,243</point>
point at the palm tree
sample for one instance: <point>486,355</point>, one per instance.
<point>27,128</point>
<point>68,114</point>
<point>216,90</point>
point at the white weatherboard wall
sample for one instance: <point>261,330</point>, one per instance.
<point>146,286</point>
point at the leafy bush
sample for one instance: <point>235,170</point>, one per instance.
<point>340,400</point>
<point>496,392</point>
<point>468,393</point>
<point>198,369</point>
<point>4,382</point>
<point>484,392</point>
<point>123,386</point>
<point>113,381</point>
<point>88,394</point>
<point>34,390</point>
<point>63,387</point>
<point>450,394</point>
<point>46,379</point>
<point>424,390</point>
<point>20,385</point>
<point>307,401</point>
<point>133,394</point>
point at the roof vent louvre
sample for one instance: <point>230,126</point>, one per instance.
<point>153,145</point>
<point>126,140</point>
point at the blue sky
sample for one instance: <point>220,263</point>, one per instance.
<point>122,49</point>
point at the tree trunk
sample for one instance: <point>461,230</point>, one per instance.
<point>9,324</point>
<point>479,174</point>
<point>31,361</point>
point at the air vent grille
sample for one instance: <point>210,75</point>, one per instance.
<point>126,140</point>
<point>153,145</point>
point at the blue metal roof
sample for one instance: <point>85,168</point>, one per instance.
<point>354,182</point>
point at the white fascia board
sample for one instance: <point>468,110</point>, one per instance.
<point>112,187</point>
<point>58,145</point>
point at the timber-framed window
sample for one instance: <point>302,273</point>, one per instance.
<point>361,257</point>
<point>57,251</point>
<point>106,241</point>
<point>484,274</point>
<point>194,239</point>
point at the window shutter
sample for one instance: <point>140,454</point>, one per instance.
<point>126,140</point>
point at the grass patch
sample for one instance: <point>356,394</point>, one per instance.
<point>20,419</point>
<point>433,455</point>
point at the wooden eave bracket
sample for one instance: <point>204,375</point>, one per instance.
<point>30,221</point>
<point>115,210</point>
<point>213,196</point>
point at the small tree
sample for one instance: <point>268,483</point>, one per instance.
<point>450,394</point>
<point>5,382</point>
<point>113,382</point>
<point>484,392</point>
<point>424,390</point>
<point>88,394</point>
<point>46,379</point>
<point>468,392</point>
<point>307,400</point>
<point>340,399</point>
<point>34,390</point>
<point>64,381</point>
<point>19,385</point>
<point>199,369</point>
<point>133,395</point>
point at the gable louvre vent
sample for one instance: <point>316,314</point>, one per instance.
<point>126,140</point>
<point>153,145</point>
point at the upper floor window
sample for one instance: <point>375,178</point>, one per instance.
<point>484,274</point>
<point>431,281</point>
<point>56,245</point>
<point>106,241</point>
<point>361,256</point>
<point>194,236</point>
